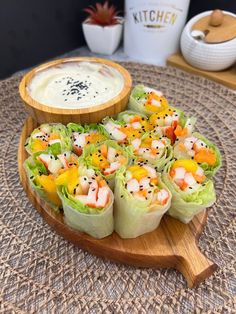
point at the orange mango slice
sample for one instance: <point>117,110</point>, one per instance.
<point>188,165</point>
<point>179,131</point>
<point>48,184</point>
<point>131,132</point>
<point>138,172</point>
<point>68,178</point>
<point>54,136</point>
<point>104,150</point>
<point>95,137</point>
<point>38,145</point>
<point>205,155</point>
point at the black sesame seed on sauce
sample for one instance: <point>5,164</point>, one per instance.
<point>75,88</point>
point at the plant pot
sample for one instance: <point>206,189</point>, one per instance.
<point>102,39</point>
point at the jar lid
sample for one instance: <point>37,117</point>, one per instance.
<point>217,27</point>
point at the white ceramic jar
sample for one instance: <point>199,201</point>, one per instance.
<point>209,57</point>
<point>153,28</point>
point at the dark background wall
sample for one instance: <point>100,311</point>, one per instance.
<point>32,31</point>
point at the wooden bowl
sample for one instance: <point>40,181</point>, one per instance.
<point>43,114</point>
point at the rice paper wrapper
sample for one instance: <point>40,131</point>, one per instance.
<point>97,225</point>
<point>134,217</point>
<point>111,181</point>
<point>185,206</point>
<point>138,105</point>
<point>29,169</point>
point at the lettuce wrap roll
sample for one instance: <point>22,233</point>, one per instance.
<point>52,138</point>
<point>135,119</point>
<point>153,149</point>
<point>147,100</point>
<point>122,131</point>
<point>172,123</point>
<point>82,136</point>
<point>200,149</point>
<point>115,129</point>
<point>106,159</point>
<point>43,168</point>
<point>191,190</point>
<point>141,199</point>
<point>87,201</point>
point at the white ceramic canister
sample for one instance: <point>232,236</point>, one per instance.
<point>153,28</point>
<point>208,57</point>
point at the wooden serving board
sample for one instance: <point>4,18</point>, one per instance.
<point>173,244</point>
<point>226,77</point>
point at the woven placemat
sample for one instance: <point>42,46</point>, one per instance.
<point>43,273</point>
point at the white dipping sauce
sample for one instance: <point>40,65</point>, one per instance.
<point>75,85</point>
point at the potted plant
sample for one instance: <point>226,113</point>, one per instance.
<point>102,28</point>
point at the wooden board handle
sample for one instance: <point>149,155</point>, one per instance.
<point>195,266</point>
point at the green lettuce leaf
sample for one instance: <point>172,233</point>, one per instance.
<point>96,127</point>
<point>55,149</point>
<point>66,144</point>
<point>75,127</point>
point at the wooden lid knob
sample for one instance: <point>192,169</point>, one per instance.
<point>216,18</point>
